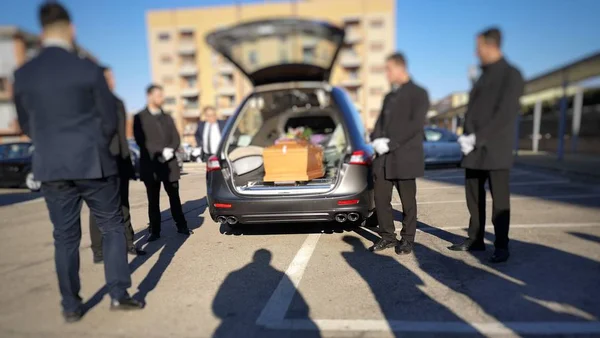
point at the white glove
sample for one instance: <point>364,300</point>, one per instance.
<point>467,143</point>
<point>381,145</point>
<point>168,154</point>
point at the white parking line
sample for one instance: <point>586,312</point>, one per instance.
<point>273,315</point>
<point>278,304</point>
<point>517,198</point>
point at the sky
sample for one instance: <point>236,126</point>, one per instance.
<point>437,36</point>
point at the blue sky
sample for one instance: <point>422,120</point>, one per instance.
<point>437,36</point>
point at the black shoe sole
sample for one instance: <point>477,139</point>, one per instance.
<point>402,253</point>
<point>390,246</point>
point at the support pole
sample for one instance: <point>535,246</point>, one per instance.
<point>562,122</point>
<point>537,121</point>
<point>577,110</point>
<point>454,123</point>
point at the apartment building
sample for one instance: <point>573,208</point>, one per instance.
<point>194,76</point>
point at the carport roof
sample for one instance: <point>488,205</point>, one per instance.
<point>579,70</point>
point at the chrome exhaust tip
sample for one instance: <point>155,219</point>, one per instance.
<point>232,220</point>
<point>222,219</point>
<point>353,217</point>
<point>341,218</point>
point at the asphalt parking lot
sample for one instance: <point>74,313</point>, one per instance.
<point>319,280</point>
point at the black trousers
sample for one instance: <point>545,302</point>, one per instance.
<point>64,200</point>
<point>476,202</point>
<point>96,235</point>
<point>383,204</point>
<point>153,192</point>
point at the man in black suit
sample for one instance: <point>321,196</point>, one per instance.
<point>398,142</point>
<point>208,133</point>
<point>119,148</point>
<point>65,106</point>
<point>488,143</point>
<point>158,139</point>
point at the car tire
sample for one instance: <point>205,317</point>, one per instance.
<point>31,183</point>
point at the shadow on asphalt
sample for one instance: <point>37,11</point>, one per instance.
<point>11,198</point>
<point>588,237</point>
<point>168,245</point>
<point>245,293</point>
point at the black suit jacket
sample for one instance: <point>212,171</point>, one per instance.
<point>119,146</point>
<point>200,132</point>
<point>65,106</point>
<point>402,120</point>
<point>491,116</point>
<point>154,133</point>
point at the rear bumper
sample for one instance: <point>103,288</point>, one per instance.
<point>356,185</point>
<point>295,209</point>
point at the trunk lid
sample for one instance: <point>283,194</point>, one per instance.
<point>281,50</point>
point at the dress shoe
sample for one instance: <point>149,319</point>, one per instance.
<point>98,258</point>
<point>136,252</point>
<point>468,245</point>
<point>185,231</point>
<point>74,316</point>
<point>383,244</point>
<point>153,237</point>
<point>126,304</point>
<point>500,255</point>
<point>404,247</point>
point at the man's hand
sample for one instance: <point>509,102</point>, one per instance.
<point>168,154</point>
<point>381,145</point>
<point>467,143</point>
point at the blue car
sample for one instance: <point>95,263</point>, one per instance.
<point>441,147</point>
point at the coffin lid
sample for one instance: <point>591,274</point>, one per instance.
<point>280,50</point>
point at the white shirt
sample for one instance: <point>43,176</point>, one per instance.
<point>215,137</point>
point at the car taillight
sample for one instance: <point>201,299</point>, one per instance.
<point>222,205</point>
<point>348,202</point>
<point>359,157</point>
<point>212,164</point>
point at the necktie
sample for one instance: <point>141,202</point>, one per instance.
<point>209,146</point>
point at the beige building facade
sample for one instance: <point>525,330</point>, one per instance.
<point>194,76</point>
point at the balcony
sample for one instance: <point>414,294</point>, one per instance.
<point>226,89</point>
<point>225,68</point>
<point>227,111</point>
<point>188,70</point>
<point>351,82</point>
<point>190,92</point>
<point>352,37</point>
<point>350,60</point>
<point>191,113</point>
<point>351,20</point>
<point>187,48</point>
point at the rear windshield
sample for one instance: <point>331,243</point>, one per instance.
<point>269,117</point>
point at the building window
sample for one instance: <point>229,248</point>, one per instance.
<point>308,54</point>
<point>377,46</point>
<point>376,91</point>
<point>377,23</point>
<point>3,84</point>
<point>191,82</point>
<point>166,59</point>
<point>164,37</point>
<point>377,69</point>
<point>170,100</point>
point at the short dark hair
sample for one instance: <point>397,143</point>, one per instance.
<point>52,13</point>
<point>152,87</point>
<point>493,36</point>
<point>397,58</point>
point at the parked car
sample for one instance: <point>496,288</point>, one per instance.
<point>291,90</point>
<point>187,150</point>
<point>441,147</point>
<point>180,156</point>
<point>16,166</point>
<point>134,150</point>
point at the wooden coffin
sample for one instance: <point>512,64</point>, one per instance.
<point>293,160</point>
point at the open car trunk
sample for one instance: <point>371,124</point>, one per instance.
<point>269,117</point>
